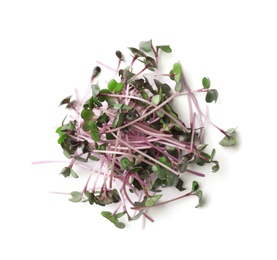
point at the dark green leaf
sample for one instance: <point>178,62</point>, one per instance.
<point>206,83</point>
<point>90,197</point>
<point>163,86</point>
<point>87,114</point>
<point>65,100</point>
<point>195,186</point>
<point>126,163</point>
<point>150,62</point>
<point>95,133</point>
<point>216,167</point>
<point>65,171</point>
<point>179,185</point>
<point>211,95</point>
<point>62,138</point>
<point>137,52</point>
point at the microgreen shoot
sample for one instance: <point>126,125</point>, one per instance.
<point>131,128</point>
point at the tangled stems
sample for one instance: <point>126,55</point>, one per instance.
<point>131,129</point>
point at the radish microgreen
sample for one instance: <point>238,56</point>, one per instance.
<point>129,137</point>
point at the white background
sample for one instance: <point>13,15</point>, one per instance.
<point>49,48</point>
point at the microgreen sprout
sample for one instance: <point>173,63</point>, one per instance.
<point>129,137</point>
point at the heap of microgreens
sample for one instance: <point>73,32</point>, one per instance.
<point>132,130</point>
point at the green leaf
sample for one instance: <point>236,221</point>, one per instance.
<point>73,173</point>
<point>65,171</point>
<point>145,46</point>
<point>67,154</point>
<point>103,92</point>
<point>150,201</point>
<point>206,83</point>
<point>177,71</point>
<point>211,95</point>
<point>137,52</point>
<point>136,217</point>
<point>62,138</point>
<point>216,167</point>
<point>165,48</point>
<point>178,86</point>
<point>156,99</point>
<point>120,214</point>
<point>228,141</point>
<point>65,100</point>
<point>118,119</point>
<point>87,114</point>
<point>76,196</point>
<point>90,197</point>
<point>231,131</point>
<point>95,133</point>
<point>199,195</point>
<point>87,125</point>
<point>112,218</point>
<point>150,62</point>
<point>120,225</point>
<point>80,159</point>
<point>213,154</point>
<point>126,163</point>
<point>114,86</point>
<point>179,185</point>
<point>163,86</point>
<point>117,106</point>
<point>93,158</point>
<point>195,186</point>
<point>95,90</point>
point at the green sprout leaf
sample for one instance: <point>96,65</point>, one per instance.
<point>95,90</point>
<point>156,99</point>
<point>216,167</point>
<point>126,163</point>
<point>145,46</point>
<point>65,100</point>
<point>211,95</point>
<point>65,171</point>
<point>228,141</point>
<point>206,83</point>
<point>195,186</point>
<point>87,114</point>
<point>73,173</point>
<point>199,195</point>
<point>76,196</point>
<point>152,200</point>
<point>165,48</point>
<point>112,218</point>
